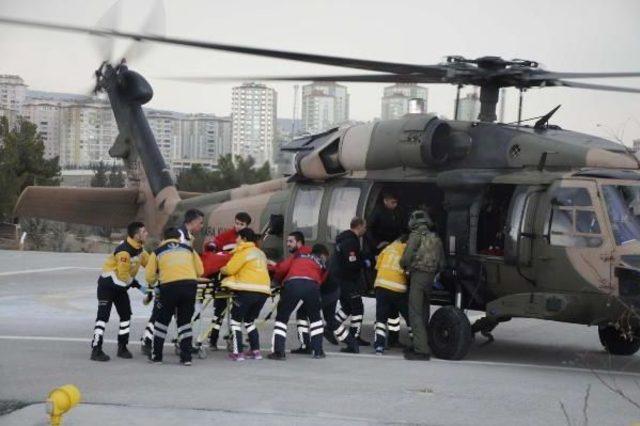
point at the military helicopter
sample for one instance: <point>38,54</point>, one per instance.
<point>537,221</point>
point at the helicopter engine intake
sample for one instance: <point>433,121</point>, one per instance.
<point>416,140</point>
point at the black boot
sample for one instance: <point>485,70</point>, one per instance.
<point>98,355</point>
<point>123,352</point>
<point>277,356</point>
<point>146,347</point>
<point>302,351</point>
<point>417,356</point>
<point>328,334</point>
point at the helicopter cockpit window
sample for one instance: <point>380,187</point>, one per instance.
<point>342,208</point>
<point>623,207</point>
<point>573,222</point>
<point>306,210</point>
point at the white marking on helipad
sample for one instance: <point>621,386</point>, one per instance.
<point>372,356</point>
<point>36,271</point>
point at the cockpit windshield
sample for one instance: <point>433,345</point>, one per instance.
<point>623,207</point>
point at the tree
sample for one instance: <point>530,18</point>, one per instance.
<point>99,179</point>
<point>230,174</point>
<point>116,177</point>
<point>107,177</point>
<point>22,163</point>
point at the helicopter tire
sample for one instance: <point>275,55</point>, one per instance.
<point>616,343</point>
<point>449,333</point>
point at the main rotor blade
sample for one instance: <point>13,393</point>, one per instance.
<point>557,75</point>
<point>363,78</point>
<point>155,24</point>
<point>391,67</point>
<point>111,18</point>
<point>593,86</point>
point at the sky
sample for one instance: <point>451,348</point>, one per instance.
<point>568,35</point>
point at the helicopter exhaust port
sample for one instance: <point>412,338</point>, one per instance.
<point>419,141</point>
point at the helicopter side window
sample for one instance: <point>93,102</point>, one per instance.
<point>342,208</point>
<point>573,222</point>
<point>306,210</point>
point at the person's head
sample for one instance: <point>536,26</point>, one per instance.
<point>241,221</point>
<point>295,240</point>
<point>419,217</point>
<point>171,234</point>
<point>358,226</point>
<point>194,220</point>
<point>390,200</point>
<point>320,251</point>
<point>246,235</point>
<point>136,231</point>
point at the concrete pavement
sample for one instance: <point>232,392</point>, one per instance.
<point>47,310</point>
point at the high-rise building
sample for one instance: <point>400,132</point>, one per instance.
<point>397,99</point>
<point>165,126</point>
<point>45,114</point>
<point>253,113</point>
<point>205,137</point>
<point>12,95</point>
<point>81,129</point>
<point>469,107</point>
<point>324,105</point>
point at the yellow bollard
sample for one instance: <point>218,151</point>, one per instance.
<point>60,401</point>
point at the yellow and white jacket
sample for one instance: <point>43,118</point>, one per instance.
<point>123,264</point>
<point>173,262</point>
<point>247,270</point>
<point>390,275</point>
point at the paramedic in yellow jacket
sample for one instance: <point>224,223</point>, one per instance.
<point>118,275</point>
<point>391,289</point>
<point>248,277</point>
<point>176,267</point>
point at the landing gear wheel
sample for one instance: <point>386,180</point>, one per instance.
<point>617,344</point>
<point>449,333</point>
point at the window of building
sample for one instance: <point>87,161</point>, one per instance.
<point>306,211</point>
<point>342,208</point>
<point>573,222</point>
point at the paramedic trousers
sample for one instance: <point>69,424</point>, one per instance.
<point>111,294</point>
<point>175,298</point>
<point>351,307</point>
<point>388,303</point>
<point>219,309</point>
<point>245,310</point>
<point>419,308</point>
<point>296,290</point>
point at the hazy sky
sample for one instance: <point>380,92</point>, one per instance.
<point>580,35</point>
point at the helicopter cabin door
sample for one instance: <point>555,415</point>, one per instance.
<point>573,253</point>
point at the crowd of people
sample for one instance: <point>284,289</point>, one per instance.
<point>403,252</point>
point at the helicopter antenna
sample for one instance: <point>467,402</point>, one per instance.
<point>457,105</point>
<point>520,98</point>
<point>544,120</point>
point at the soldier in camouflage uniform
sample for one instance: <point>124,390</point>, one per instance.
<point>422,258</point>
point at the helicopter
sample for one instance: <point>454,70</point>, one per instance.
<point>537,221</point>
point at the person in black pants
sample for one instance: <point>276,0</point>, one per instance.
<point>347,263</point>
<point>303,277</point>
<point>177,267</point>
<point>118,275</point>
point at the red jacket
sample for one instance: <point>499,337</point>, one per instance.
<point>300,265</point>
<point>225,241</point>
<point>213,262</point>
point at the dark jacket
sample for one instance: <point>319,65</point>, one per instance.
<point>385,225</point>
<point>347,260</point>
